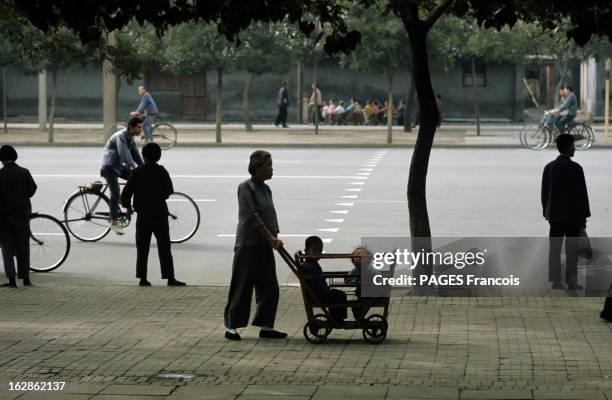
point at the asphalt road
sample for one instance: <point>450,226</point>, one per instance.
<point>339,194</point>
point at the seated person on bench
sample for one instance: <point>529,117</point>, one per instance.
<point>312,273</point>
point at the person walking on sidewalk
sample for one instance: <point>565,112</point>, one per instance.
<point>150,185</point>
<point>120,157</point>
<point>316,102</point>
<point>565,205</point>
<point>16,188</point>
<point>149,107</point>
<point>282,101</point>
<point>253,265</point>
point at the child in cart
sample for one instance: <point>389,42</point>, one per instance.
<point>312,271</point>
<point>361,256</point>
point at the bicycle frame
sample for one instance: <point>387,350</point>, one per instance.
<point>90,210</point>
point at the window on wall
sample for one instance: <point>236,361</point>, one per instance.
<point>481,73</point>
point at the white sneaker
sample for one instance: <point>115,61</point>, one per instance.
<point>116,228</point>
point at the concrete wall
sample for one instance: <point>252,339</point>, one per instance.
<point>80,93</point>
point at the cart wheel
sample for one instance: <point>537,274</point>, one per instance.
<point>376,329</point>
<point>316,330</point>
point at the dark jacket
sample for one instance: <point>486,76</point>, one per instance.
<point>283,97</point>
<point>312,273</point>
<point>16,188</point>
<point>150,185</point>
<point>564,191</point>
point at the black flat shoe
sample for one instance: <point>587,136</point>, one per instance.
<point>9,285</point>
<point>607,315</point>
<point>174,282</point>
<point>27,282</point>
<point>144,283</point>
<point>574,287</point>
<point>272,335</point>
<point>232,336</point>
<point>558,285</point>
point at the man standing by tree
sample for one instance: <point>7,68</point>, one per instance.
<point>282,101</point>
<point>148,106</point>
<point>565,205</point>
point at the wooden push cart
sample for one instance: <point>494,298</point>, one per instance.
<point>320,325</point>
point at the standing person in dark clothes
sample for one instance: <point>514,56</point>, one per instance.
<point>282,101</point>
<point>254,266</point>
<point>151,186</point>
<point>565,205</point>
<point>16,188</point>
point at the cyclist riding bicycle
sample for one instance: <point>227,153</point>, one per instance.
<point>149,107</point>
<point>566,111</point>
<point>120,157</point>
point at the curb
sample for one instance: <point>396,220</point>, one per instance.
<point>311,145</point>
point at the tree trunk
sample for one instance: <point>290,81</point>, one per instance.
<point>4,100</point>
<point>246,102</point>
<point>561,82</point>
<point>411,102</point>
<point>42,101</point>
<point>314,84</point>
<point>110,92</point>
<point>429,116</point>
<point>390,76</point>
<point>219,99</point>
<point>476,105</point>
<point>300,92</point>
<point>53,104</point>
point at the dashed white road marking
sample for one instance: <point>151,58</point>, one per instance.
<point>339,212</point>
<point>338,220</point>
<point>345,204</point>
<point>333,230</point>
<point>349,196</point>
<point>357,183</point>
<point>354,190</point>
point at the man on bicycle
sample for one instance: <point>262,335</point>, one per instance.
<point>569,105</point>
<point>148,106</point>
<point>120,157</point>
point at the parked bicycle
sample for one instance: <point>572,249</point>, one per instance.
<point>49,243</point>
<point>538,137</point>
<point>87,214</point>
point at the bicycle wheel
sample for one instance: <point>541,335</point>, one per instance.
<point>86,216</point>
<point>164,135</point>
<point>49,243</point>
<point>535,137</point>
<point>184,218</point>
<point>583,136</point>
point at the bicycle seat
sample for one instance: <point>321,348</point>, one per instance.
<point>93,187</point>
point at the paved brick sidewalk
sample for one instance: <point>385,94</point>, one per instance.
<point>298,135</point>
<point>112,342</point>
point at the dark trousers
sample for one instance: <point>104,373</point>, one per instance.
<point>559,230</point>
<point>336,297</point>
<point>158,226</point>
<point>281,118</point>
<point>15,239</point>
<point>253,267</point>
